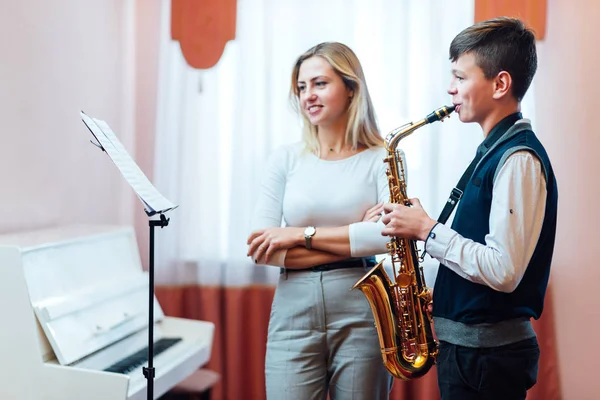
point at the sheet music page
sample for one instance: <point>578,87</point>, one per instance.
<point>144,189</point>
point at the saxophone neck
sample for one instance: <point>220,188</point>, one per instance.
<point>395,136</point>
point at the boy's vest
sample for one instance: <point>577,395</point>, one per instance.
<point>460,300</point>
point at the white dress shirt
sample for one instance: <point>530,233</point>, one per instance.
<point>516,217</point>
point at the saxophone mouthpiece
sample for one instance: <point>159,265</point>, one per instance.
<point>440,114</point>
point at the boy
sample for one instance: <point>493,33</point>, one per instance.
<point>495,259</point>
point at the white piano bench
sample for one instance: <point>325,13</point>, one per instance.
<point>195,387</point>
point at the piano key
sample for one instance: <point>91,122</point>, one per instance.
<point>140,357</point>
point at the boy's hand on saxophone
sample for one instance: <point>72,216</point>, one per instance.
<point>409,222</point>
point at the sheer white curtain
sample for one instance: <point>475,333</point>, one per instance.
<point>217,127</point>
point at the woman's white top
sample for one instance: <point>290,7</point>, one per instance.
<point>299,189</point>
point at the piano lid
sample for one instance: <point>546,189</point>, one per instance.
<point>86,286</point>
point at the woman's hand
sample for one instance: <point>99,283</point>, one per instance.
<point>264,242</point>
<point>374,213</point>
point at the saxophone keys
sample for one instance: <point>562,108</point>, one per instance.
<point>404,280</point>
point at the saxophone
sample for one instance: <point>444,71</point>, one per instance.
<point>403,324</point>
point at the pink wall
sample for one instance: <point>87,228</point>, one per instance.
<point>58,58</point>
<point>567,90</point>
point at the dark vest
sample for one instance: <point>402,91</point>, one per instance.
<point>460,300</point>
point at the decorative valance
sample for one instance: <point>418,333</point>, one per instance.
<point>203,27</point>
<point>532,12</point>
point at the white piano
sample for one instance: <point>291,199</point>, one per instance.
<point>74,303</point>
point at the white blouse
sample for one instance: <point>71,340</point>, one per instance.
<point>299,189</point>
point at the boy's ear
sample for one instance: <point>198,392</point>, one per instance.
<point>502,84</point>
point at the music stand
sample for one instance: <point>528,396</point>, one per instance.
<point>154,203</point>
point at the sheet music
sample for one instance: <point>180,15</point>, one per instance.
<point>144,189</point>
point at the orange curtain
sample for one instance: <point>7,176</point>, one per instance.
<point>203,27</point>
<point>241,317</point>
<point>532,12</point>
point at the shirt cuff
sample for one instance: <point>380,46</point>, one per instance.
<point>438,241</point>
<point>366,239</point>
<point>277,259</point>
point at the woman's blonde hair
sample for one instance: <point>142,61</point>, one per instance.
<point>362,125</point>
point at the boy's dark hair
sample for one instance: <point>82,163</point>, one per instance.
<point>500,44</point>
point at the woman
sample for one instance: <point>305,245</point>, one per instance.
<point>329,190</point>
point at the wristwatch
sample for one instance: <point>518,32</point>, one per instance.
<point>309,232</point>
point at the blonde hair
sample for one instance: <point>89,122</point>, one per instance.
<point>362,125</point>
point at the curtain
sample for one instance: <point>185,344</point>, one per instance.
<point>216,127</point>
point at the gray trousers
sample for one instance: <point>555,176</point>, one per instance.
<point>322,338</point>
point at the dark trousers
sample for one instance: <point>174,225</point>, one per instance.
<point>504,372</point>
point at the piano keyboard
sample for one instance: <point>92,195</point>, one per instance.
<point>140,357</point>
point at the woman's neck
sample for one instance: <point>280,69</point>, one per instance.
<point>333,138</point>
<point>332,146</point>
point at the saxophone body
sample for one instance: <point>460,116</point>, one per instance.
<point>399,306</point>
